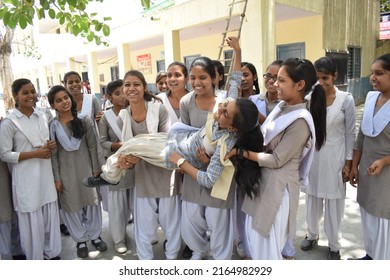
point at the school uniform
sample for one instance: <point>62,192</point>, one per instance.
<point>373,192</point>
<point>326,186</point>
<point>157,202</point>
<point>81,205</point>
<point>271,217</point>
<point>120,196</point>
<point>33,190</point>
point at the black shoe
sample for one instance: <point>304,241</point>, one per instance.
<point>187,253</point>
<point>19,257</point>
<point>365,258</point>
<point>82,250</point>
<point>308,244</point>
<point>332,255</point>
<point>64,230</point>
<point>54,259</point>
<point>95,181</point>
<point>99,244</point>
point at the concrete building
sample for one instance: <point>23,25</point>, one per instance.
<point>181,30</point>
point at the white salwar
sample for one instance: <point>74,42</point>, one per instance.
<point>270,248</point>
<point>376,235</point>
<point>198,219</point>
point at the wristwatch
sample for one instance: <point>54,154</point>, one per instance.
<point>180,162</point>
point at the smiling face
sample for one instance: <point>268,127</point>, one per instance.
<point>380,77</point>
<point>225,114</point>
<point>133,89</point>
<point>176,80</point>
<point>162,84</point>
<point>62,102</point>
<point>201,81</point>
<point>326,81</point>
<point>288,90</point>
<point>26,97</point>
<point>248,79</point>
<point>117,98</point>
<point>74,84</point>
<point>270,78</point>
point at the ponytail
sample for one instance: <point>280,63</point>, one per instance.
<point>318,111</point>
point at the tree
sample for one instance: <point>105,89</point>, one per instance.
<point>70,13</point>
<point>385,6</point>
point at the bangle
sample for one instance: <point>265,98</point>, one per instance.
<point>241,153</point>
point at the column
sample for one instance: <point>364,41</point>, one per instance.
<point>70,64</point>
<point>172,46</point>
<point>56,74</point>
<point>42,77</point>
<point>93,73</point>
<point>124,64</point>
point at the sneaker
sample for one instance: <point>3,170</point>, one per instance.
<point>64,230</point>
<point>82,250</point>
<point>120,248</point>
<point>99,244</point>
<point>308,244</point>
<point>332,255</point>
<point>367,257</point>
<point>95,181</point>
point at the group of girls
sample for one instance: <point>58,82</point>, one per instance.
<point>305,118</point>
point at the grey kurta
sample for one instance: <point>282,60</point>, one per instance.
<point>279,170</point>
<point>72,167</point>
<point>5,194</point>
<point>152,181</point>
<point>107,138</point>
<point>191,190</point>
<point>373,192</point>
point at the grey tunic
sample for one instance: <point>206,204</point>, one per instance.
<point>191,190</point>
<point>5,194</point>
<point>279,170</point>
<point>152,181</point>
<point>72,167</point>
<point>107,138</point>
<point>373,192</point>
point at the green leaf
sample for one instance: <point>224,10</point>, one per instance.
<point>52,14</point>
<point>22,22</point>
<point>41,13</point>
<point>98,40</point>
<point>106,30</point>
<point>93,15</point>
<point>62,20</point>
<point>15,2</point>
<point>6,18</point>
<point>72,2</point>
<point>90,37</point>
<point>107,18</point>
<point>98,27</point>
<point>75,30</point>
<point>59,15</point>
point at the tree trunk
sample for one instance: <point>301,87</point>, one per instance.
<point>6,68</point>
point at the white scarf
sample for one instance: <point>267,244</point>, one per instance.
<point>86,109</point>
<point>372,125</point>
<point>275,124</point>
<point>111,119</point>
<point>168,106</point>
<point>152,119</point>
<point>36,138</point>
<point>57,132</point>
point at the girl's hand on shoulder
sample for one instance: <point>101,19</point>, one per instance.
<point>233,152</point>
<point>375,168</point>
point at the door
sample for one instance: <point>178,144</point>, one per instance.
<point>290,50</point>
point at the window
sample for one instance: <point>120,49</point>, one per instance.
<point>160,65</point>
<point>114,73</point>
<point>226,56</point>
<point>341,60</point>
<point>354,62</point>
<point>189,59</point>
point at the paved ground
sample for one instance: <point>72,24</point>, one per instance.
<point>351,235</point>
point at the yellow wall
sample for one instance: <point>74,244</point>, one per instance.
<point>291,31</point>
